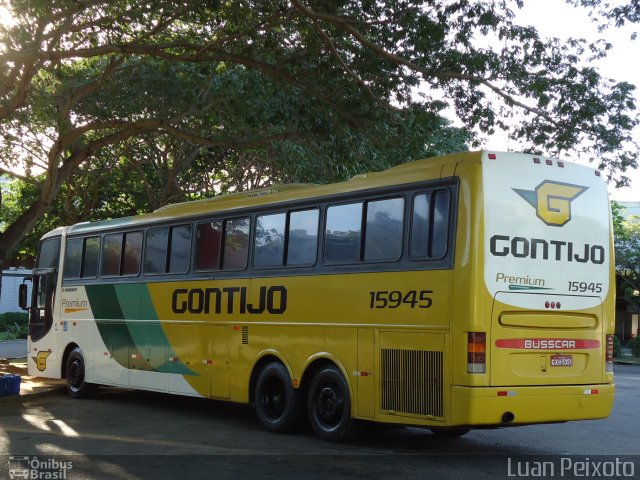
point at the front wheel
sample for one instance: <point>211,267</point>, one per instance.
<point>329,406</point>
<point>75,375</point>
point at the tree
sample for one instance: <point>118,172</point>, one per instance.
<point>627,244</point>
<point>249,79</point>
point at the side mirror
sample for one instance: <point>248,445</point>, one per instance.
<point>23,297</point>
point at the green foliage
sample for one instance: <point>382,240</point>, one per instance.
<point>627,245</point>
<point>127,105</point>
<point>617,347</point>
<point>634,344</point>
<point>14,325</point>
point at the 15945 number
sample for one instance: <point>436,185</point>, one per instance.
<point>395,298</point>
<point>585,287</point>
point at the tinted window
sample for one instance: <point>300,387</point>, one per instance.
<point>429,225</point>
<point>132,253</point>
<point>269,241</point>
<point>111,252</point>
<point>73,258</point>
<point>180,252</point>
<point>383,234</point>
<point>236,244</point>
<point>155,254</point>
<point>303,237</point>
<point>49,255</point>
<point>343,233</point>
<point>440,224</point>
<point>91,256</point>
<point>208,243</point>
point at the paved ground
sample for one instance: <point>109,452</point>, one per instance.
<point>137,435</point>
<point>13,349</point>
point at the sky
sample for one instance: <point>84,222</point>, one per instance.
<point>554,18</point>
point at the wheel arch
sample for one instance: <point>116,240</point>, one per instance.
<point>264,358</point>
<point>316,363</point>
<point>65,356</point>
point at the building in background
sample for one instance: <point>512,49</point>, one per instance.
<point>9,282</point>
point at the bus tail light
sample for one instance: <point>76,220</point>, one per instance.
<point>609,359</point>
<point>476,352</point>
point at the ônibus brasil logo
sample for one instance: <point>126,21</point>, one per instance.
<point>552,201</point>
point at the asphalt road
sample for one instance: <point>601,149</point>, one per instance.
<point>129,434</point>
<point>13,349</point>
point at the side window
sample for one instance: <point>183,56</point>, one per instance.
<point>208,245</point>
<point>168,250</point>
<point>73,258</point>
<point>303,237</point>
<point>90,257</point>
<point>384,229</point>
<point>343,233</point>
<point>236,244</point>
<point>269,240</point>
<point>155,252</point>
<point>180,250</point>
<point>111,253</point>
<point>132,253</point>
<point>429,225</point>
<point>121,254</point>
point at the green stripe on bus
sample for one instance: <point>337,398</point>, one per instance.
<point>113,329</point>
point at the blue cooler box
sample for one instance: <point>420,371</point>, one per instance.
<point>9,385</point>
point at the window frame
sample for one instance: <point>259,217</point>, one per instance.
<point>123,242</point>
<point>287,237</point>
<point>167,252</point>
<point>430,219</point>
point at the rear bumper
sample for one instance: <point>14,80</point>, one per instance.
<point>488,405</point>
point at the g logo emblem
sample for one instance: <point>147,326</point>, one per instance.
<point>552,201</point>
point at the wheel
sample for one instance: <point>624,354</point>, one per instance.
<point>329,406</point>
<point>279,407</point>
<point>75,374</point>
<point>450,432</point>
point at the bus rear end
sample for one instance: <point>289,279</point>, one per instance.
<point>544,349</point>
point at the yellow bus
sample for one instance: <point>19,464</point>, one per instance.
<point>470,290</point>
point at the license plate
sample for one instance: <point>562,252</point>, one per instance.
<point>562,360</point>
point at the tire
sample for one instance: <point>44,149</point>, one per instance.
<point>279,407</point>
<point>329,406</point>
<point>450,432</point>
<point>75,376</point>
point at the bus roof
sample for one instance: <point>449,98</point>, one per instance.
<point>411,172</point>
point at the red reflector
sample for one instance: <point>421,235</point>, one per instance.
<point>547,304</point>
<point>502,394</point>
<point>364,374</point>
<point>492,156</point>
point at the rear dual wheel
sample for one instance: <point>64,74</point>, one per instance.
<point>279,407</point>
<point>329,406</point>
